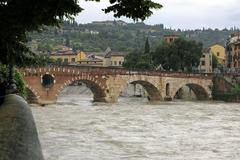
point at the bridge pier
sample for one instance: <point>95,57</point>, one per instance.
<point>105,99</point>
<point>154,98</point>
<point>168,98</point>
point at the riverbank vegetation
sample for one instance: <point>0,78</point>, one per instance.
<point>225,91</point>
<point>228,96</point>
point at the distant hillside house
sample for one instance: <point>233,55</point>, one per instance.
<point>219,51</point>
<point>114,59</point>
<point>205,65</point>
<point>170,38</point>
<point>67,56</point>
<point>233,52</point>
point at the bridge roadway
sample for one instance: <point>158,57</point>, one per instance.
<point>45,84</point>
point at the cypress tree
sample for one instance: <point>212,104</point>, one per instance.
<point>147,46</point>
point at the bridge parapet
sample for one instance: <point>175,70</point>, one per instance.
<point>73,70</point>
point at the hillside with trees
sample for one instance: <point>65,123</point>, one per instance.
<point>118,36</point>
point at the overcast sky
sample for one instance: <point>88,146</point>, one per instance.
<point>184,14</point>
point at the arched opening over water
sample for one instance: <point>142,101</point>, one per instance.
<point>191,92</point>
<point>47,80</point>
<point>141,89</point>
<point>81,90</point>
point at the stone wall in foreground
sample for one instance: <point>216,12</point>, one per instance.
<point>18,133</point>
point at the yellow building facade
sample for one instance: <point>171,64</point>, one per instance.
<point>219,51</point>
<point>68,57</point>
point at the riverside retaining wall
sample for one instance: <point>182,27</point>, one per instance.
<point>18,133</point>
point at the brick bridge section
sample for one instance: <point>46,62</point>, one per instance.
<point>107,84</point>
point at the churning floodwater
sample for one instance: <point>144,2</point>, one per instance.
<point>135,129</point>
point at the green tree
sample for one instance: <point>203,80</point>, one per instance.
<point>215,62</point>
<point>147,46</point>
<point>178,55</point>
<point>67,41</point>
<point>18,78</point>
<point>136,60</point>
<point>20,17</point>
<point>131,59</point>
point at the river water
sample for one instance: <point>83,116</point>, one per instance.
<point>135,129</point>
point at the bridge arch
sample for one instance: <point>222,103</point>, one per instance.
<point>152,90</point>
<point>32,96</point>
<point>202,92</point>
<point>99,92</point>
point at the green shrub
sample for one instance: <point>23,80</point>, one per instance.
<point>20,84</point>
<point>227,96</point>
<point>17,77</point>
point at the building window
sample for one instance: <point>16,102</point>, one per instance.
<point>111,63</point>
<point>65,60</point>
<point>203,63</point>
<point>59,60</point>
<point>203,55</point>
<point>120,62</point>
<point>115,63</point>
<point>218,54</point>
<point>73,60</point>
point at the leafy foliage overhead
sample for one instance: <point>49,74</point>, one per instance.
<point>17,17</point>
<point>135,9</point>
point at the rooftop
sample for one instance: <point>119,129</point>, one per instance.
<point>113,53</point>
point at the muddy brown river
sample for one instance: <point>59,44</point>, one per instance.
<point>135,129</point>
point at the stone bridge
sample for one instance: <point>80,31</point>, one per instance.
<point>106,84</point>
